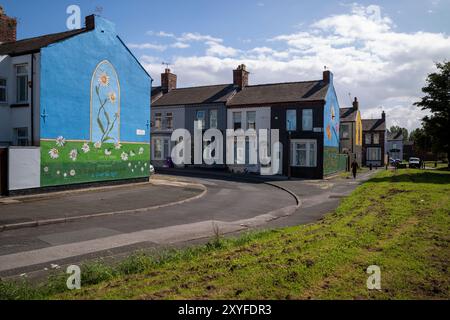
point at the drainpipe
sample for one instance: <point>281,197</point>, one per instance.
<point>32,100</point>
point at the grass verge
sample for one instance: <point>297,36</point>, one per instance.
<point>398,220</point>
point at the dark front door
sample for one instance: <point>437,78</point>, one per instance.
<point>3,171</point>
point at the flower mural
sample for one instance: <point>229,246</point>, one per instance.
<point>60,141</point>
<point>73,155</point>
<point>105,104</point>
<point>86,148</point>
<point>54,153</point>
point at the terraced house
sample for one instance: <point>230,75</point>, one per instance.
<point>374,142</point>
<point>74,109</point>
<point>305,113</point>
<point>351,133</point>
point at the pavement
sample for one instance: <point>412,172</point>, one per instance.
<point>229,204</point>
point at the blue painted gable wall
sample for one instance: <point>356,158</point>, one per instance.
<point>331,107</point>
<point>66,73</point>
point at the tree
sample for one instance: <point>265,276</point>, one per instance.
<point>437,102</point>
<point>395,129</point>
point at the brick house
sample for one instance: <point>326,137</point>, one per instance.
<point>374,141</point>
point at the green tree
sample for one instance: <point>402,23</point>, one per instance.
<point>395,129</point>
<point>437,101</point>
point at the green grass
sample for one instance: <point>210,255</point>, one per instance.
<point>94,165</point>
<point>399,221</point>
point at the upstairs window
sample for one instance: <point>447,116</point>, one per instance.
<point>158,121</point>
<point>22,84</point>
<point>201,118</point>
<point>291,120</point>
<point>213,124</point>
<point>376,138</point>
<point>251,120</point>
<point>237,120</point>
<point>169,120</point>
<point>368,138</point>
<point>307,120</point>
<point>3,91</point>
<point>345,131</point>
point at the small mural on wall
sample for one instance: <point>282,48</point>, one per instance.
<point>105,157</point>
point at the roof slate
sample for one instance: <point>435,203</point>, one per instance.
<point>374,125</point>
<point>348,114</point>
<point>281,93</point>
<point>35,44</point>
<point>197,95</point>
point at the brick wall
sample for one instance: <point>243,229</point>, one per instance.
<point>8,27</point>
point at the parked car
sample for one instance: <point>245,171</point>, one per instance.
<point>414,163</point>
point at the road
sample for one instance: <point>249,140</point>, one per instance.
<point>228,206</point>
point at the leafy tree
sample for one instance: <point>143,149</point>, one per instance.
<point>437,102</point>
<point>395,129</point>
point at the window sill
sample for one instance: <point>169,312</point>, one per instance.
<point>20,105</point>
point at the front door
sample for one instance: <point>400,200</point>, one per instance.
<point>3,171</point>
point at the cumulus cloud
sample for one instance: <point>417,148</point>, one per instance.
<point>370,59</point>
<point>151,46</point>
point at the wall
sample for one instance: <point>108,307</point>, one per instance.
<point>24,168</point>
<point>332,162</point>
<point>95,102</point>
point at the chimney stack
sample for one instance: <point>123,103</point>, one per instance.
<point>327,77</point>
<point>240,76</point>
<point>383,115</point>
<point>356,104</point>
<point>168,81</point>
<point>90,22</point>
<point>8,27</point>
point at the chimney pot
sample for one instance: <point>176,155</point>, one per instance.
<point>383,115</point>
<point>240,76</point>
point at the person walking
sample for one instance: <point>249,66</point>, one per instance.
<point>354,168</point>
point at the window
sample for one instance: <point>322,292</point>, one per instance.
<point>22,83</point>
<point>307,120</point>
<point>213,119</point>
<point>169,120</point>
<point>291,120</point>
<point>368,138</point>
<point>304,153</point>
<point>374,154</point>
<point>201,118</point>
<point>237,120</point>
<point>161,148</point>
<point>251,120</point>
<point>345,131</point>
<point>394,146</point>
<point>158,120</point>
<point>21,135</point>
<point>376,138</point>
<point>3,90</point>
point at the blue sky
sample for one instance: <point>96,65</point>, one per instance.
<point>369,45</point>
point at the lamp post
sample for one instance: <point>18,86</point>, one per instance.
<point>289,155</point>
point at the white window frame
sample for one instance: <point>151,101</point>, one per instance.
<point>376,138</point>
<point>216,118</point>
<point>4,87</point>
<point>248,121</point>
<point>293,126</point>
<point>18,76</point>
<point>169,120</point>
<point>294,148</point>
<point>163,141</point>
<point>308,112</point>
<point>369,150</point>
<point>158,120</point>
<point>201,119</point>
<point>234,119</point>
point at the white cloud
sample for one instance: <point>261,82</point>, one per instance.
<point>151,46</point>
<point>368,56</point>
<point>180,45</point>
<point>161,34</point>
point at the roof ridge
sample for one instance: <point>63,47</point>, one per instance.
<point>280,83</point>
<point>206,86</point>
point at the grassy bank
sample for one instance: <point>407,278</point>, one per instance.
<point>398,220</point>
